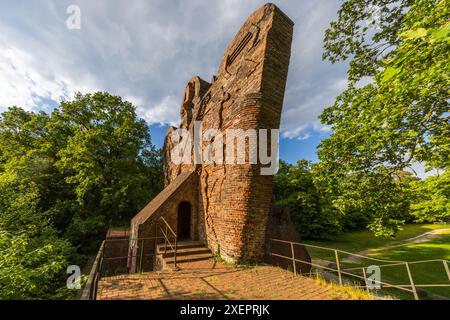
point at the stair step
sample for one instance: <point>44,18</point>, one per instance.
<point>182,245</point>
<point>188,258</point>
<point>186,251</point>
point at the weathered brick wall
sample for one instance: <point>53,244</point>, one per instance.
<point>188,191</point>
<point>232,201</point>
<point>247,93</point>
<point>146,224</point>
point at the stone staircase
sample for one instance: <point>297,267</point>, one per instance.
<point>187,251</point>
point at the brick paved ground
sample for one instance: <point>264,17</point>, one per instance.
<point>211,280</point>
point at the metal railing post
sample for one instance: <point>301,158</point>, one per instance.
<point>165,241</point>
<point>345,271</point>
<point>446,269</point>
<point>142,253</point>
<point>338,267</point>
<point>100,267</point>
<point>173,245</point>
<point>293,259</point>
<point>94,293</point>
<point>365,279</point>
<point>91,287</point>
<point>175,255</point>
<point>413,287</point>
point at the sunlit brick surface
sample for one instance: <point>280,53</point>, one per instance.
<point>211,280</point>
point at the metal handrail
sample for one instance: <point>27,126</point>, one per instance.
<point>168,226</point>
<point>166,237</point>
<point>342,251</point>
<point>341,272</point>
<point>90,289</point>
<point>337,270</point>
<point>167,240</point>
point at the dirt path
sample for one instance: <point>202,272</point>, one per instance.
<point>422,238</point>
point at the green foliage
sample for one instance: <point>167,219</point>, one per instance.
<point>374,200</point>
<point>64,177</point>
<point>18,207</point>
<point>366,30</point>
<point>431,202</point>
<point>31,269</point>
<point>403,115</point>
<point>310,209</point>
<point>399,118</point>
<point>88,163</point>
<point>356,200</point>
<point>104,158</point>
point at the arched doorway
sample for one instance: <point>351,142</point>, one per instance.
<point>184,221</point>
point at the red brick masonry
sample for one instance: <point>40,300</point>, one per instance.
<point>211,280</point>
<point>230,203</point>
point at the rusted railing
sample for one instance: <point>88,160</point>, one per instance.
<point>165,229</point>
<point>101,263</point>
<point>341,272</point>
<point>90,289</point>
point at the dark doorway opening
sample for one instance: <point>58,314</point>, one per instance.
<point>184,221</point>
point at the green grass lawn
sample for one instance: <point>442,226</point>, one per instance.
<point>364,239</point>
<point>423,273</point>
<point>428,273</point>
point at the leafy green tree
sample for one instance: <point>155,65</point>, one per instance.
<point>104,157</point>
<point>311,213</point>
<point>108,160</point>
<point>88,163</point>
<point>31,186</point>
<point>23,168</point>
<point>31,269</point>
<point>63,177</point>
<point>365,32</point>
<point>33,257</point>
<point>431,202</point>
<point>401,116</point>
<point>374,200</point>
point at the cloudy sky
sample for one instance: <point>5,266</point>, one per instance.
<point>146,51</point>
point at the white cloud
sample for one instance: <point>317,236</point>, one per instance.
<point>305,136</point>
<point>165,112</point>
<point>290,134</point>
<point>21,84</point>
<point>419,170</point>
<point>146,51</point>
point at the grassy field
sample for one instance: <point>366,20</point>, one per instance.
<point>436,247</point>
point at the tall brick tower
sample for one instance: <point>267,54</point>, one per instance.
<point>229,203</point>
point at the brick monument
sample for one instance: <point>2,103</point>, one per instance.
<point>227,206</point>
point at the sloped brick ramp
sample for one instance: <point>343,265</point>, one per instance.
<point>212,280</point>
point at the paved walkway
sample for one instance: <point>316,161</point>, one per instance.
<point>211,280</point>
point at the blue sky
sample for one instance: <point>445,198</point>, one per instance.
<point>291,150</point>
<point>147,50</point>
